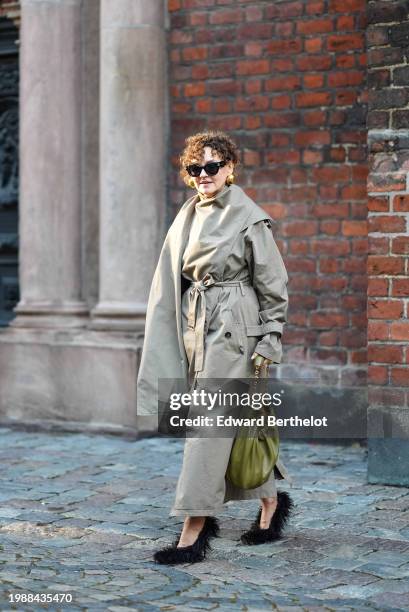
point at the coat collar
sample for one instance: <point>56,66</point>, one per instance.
<point>218,199</point>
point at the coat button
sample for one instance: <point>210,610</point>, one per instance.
<point>227,335</point>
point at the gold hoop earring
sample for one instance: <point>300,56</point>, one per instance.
<point>192,183</point>
<point>230,179</point>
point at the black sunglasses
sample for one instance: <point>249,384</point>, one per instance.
<point>211,168</point>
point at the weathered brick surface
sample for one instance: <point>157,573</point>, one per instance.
<point>10,9</point>
<point>388,205</point>
<point>287,79</point>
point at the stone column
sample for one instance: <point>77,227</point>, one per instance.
<point>50,165</point>
<point>133,135</point>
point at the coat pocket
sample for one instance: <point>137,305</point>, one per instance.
<point>234,331</point>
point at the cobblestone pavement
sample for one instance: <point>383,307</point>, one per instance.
<point>82,514</point>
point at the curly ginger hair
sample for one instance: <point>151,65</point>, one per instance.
<point>194,148</point>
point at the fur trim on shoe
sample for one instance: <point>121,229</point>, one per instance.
<point>197,551</point>
<point>257,535</point>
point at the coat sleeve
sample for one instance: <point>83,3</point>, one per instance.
<point>269,278</point>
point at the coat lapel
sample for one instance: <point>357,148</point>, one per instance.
<point>178,236</point>
<point>164,359</point>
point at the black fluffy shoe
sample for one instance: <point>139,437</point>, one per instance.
<point>193,553</point>
<point>257,535</point>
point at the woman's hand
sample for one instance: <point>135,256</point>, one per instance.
<point>260,362</point>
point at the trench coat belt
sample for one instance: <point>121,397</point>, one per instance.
<point>197,310</point>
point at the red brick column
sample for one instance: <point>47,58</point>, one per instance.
<point>388,226</point>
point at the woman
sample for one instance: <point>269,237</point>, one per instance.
<point>217,307</point>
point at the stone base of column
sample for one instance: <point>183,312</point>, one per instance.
<point>388,445</point>
<point>339,412</point>
<point>118,316</point>
<point>50,315</point>
<point>69,375</point>
<point>388,461</point>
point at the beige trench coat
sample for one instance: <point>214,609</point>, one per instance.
<point>196,327</point>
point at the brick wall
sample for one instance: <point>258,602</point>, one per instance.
<point>288,80</point>
<point>10,9</point>
<point>388,204</point>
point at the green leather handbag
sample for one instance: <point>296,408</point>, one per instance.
<point>253,455</point>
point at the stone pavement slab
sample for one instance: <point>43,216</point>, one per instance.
<point>82,515</point>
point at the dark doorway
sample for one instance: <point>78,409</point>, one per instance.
<point>9,85</point>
